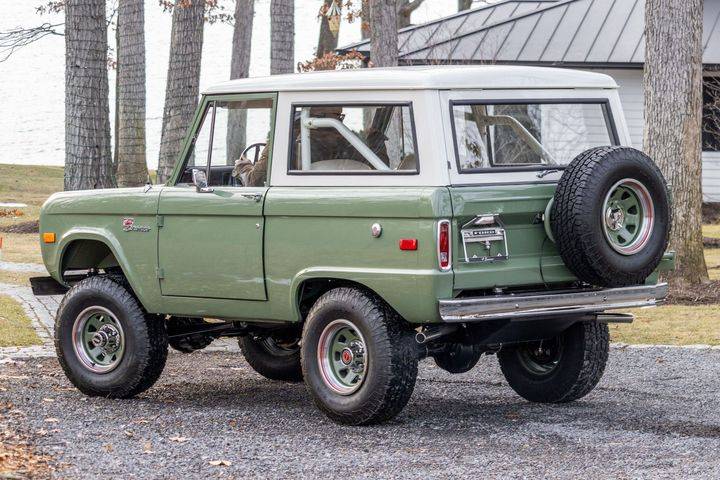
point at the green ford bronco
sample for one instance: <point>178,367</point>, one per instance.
<point>345,225</point>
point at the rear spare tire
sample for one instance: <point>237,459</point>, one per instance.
<point>611,216</point>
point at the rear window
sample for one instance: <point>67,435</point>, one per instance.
<point>353,139</point>
<point>527,135</point>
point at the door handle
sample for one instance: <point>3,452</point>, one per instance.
<point>253,196</point>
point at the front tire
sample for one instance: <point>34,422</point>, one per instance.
<point>358,358</point>
<point>106,344</point>
<point>561,369</point>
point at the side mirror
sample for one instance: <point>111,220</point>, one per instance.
<point>200,181</point>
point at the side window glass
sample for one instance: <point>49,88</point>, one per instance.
<point>353,138</point>
<point>239,142</point>
<point>198,155</point>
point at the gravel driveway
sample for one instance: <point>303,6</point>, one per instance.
<point>655,414</point>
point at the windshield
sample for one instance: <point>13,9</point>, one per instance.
<point>534,135</point>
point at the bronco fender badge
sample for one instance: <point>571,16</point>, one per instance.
<point>128,225</point>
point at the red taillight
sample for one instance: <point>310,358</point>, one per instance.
<point>443,244</point>
<point>408,244</point>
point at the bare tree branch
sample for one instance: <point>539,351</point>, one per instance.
<point>12,40</point>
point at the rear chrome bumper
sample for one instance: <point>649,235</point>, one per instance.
<point>533,305</point>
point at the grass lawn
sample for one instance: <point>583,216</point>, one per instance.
<point>27,184</point>
<point>21,247</point>
<point>671,325</point>
<point>711,230</point>
<point>15,327</point>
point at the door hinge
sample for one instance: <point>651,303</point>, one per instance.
<point>160,221</point>
<point>160,273</point>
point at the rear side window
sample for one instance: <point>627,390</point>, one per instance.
<point>528,135</point>
<point>353,139</point>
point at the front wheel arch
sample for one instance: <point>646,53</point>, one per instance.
<point>89,252</point>
<point>83,254</point>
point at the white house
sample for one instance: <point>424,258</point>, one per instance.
<point>601,35</point>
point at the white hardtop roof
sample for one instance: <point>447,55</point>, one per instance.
<point>420,78</point>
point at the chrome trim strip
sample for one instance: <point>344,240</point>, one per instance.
<point>528,306</point>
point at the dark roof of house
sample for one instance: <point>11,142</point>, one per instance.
<point>558,32</point>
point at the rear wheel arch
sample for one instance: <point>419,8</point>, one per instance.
<point>310,289</point>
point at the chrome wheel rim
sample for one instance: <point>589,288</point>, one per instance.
<point>342,357</point>
<point>98,339</point>
<point>628,216</point>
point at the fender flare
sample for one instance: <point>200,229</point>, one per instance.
<point>358,276</point>
<point>100,235</point>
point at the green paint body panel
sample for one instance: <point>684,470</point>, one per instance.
<point>533,258</point>
<point>215,261</point>
<point>210,244</point>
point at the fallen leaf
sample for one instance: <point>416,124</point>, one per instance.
<point>147,448</point>
<point>179,439</point>
<point>108,448</point>
<point>52,420</point>
<point>128,433</point>
<point>49,400</point>
<point>233,423</point>
<point>217,463</point>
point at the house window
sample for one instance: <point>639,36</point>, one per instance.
<point>711,114</point>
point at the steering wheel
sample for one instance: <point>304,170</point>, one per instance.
<point>258,149</point>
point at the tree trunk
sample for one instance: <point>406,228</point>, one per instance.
<point>405,8</point>
<point>282,36</point>
<point>130,152</point>
<point>383,33</point>
<point>88,160</point>
<point>240,68</point>
<point>673,105</point>
<point>464,5</point>
<point>327,41</point>
<point>183,82</point>
<point>365,19</point>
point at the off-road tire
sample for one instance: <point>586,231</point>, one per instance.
<point>585,353</point>
<point>391,353</point>
<point>189,343</point>
<point>577,216</point>
<point>283,366</point>
<point>145,340</point>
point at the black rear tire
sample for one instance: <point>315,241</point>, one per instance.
<point>383,342</point>
<point>272,359</point>
<point>144,340</point>
<point>558,370</point>
<point>587,236</point>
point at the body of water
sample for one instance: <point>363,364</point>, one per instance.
<point>32,122</point>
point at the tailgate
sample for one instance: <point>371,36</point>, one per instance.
<point>500,240</point>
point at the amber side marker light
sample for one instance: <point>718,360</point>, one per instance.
<point>49,237</point>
